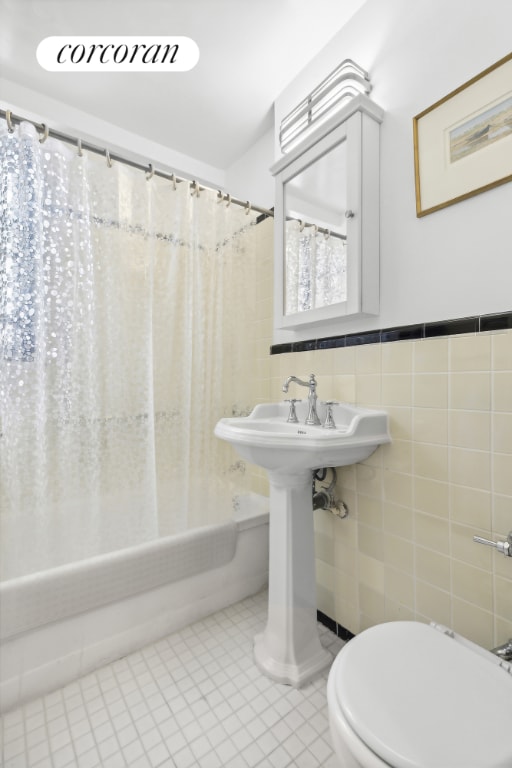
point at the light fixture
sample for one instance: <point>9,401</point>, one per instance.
<point>345,82</point>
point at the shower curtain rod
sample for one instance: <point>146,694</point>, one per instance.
<point>43,129</point>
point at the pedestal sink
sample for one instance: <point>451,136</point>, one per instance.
<point>289,649</point>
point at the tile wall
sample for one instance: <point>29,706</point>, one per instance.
<point>406,549</point>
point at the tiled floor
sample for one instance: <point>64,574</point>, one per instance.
<point>192,700</point>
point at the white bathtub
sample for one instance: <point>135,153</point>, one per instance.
<point>59,625</point>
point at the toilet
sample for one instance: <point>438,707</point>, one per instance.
<point>410,695</point>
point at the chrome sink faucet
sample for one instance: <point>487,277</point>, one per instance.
<point>312,417</point>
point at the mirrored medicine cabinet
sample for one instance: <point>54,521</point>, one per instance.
<point>327,225</point>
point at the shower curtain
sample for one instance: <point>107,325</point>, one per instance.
<point>125,304</point>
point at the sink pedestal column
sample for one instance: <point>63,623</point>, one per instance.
<point>289,649</point>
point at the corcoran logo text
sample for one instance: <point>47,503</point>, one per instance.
<point>117,54</point>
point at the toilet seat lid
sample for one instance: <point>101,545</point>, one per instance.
<point>414,712</point>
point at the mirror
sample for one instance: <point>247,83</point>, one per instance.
<point>315,233</point>
<point>327,225</point>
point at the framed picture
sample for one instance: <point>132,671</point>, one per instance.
<point>463,143</point>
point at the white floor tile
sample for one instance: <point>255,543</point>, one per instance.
<point>194,699</point>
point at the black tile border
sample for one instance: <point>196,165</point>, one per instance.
<point>451,327</point>
<point>475,324</point>
<point>496,322</point>
<point>338,629</point>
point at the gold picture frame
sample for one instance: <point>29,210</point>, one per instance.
<point>463,143</point>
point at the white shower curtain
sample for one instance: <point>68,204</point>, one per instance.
<point>124,308</point>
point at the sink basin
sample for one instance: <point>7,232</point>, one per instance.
<point>266,438</point>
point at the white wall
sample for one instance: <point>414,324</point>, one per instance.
<point>250,178</point>
<point>61,117</point>
<point>457,261</point>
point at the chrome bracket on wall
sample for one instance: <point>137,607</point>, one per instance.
<point>505,547</point>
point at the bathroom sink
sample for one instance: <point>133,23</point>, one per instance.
<point>267,439</point>
<point>289,649</point>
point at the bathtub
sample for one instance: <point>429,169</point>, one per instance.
<point>61,624</point>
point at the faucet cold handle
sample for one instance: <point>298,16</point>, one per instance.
<point>292,416</point>
<point>329,420</point>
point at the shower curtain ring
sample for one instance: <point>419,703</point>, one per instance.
<point>173,179</point>
<point>109,161</point>
<point>228,201</point>
<point>220,196</point>
<point>8,117</point>
<point>327,234</point>
<point>79,148</point>
<point>247,208</point>
<point>302,224</point>
<point>150,172</point>
<point>46,131</point>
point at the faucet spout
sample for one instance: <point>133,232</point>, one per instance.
<point>296,380</point>
<point>312,417</point>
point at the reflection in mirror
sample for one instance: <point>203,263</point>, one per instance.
<point>315,265</point>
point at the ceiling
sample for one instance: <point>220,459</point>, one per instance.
<point>249,51</point>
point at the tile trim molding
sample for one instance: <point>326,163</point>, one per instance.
<point>474,325</point>
<point>338,629</point>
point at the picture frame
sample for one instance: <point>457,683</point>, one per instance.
<point>463,143</point>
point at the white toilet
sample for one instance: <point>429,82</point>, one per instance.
<point>412,695</point>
